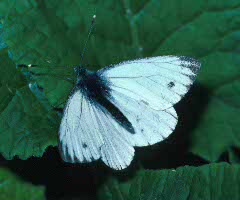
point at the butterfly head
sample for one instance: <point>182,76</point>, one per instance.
<point>81,72</point>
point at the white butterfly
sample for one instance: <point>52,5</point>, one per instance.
<point>122,106</point>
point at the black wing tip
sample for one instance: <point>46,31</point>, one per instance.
<point>195,64</point>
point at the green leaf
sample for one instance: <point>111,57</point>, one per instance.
<point>27,126</point>
<point>218,129</point>
<point>52,35</point>
<point>55,83</point>
<point>12,187</point>
<point>58,36</point>
<point>215,181</point>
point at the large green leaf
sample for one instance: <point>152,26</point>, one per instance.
<point>218,130</point>
<point>215,181</point>
<point>27,126</point>
<point>12,187</point>
<point>52,35</point>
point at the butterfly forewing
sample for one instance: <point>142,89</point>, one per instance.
<point>159,81</point>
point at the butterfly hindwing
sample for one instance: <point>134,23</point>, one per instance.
<point>150,126</point>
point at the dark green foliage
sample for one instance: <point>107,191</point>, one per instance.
<point>27,125</point>
<point>12,187</point>
<point>215,181</point>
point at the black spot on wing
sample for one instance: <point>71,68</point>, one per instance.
<point>96,90</point>
<point>171,84</point>
<point>84,145</point>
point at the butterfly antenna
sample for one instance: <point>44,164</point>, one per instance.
<point>85,45</point>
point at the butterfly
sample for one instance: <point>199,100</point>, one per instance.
<point>113,110</point>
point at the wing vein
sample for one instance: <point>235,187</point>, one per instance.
<point>147,77</point>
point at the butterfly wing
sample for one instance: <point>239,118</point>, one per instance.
<point>151,126</point>
<point>88,132</point>
<point>145,90</point>
<point>79,141</point>
<point>159,81</point>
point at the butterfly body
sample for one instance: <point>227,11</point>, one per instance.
<point>118,107</point>
<point>92,85</point>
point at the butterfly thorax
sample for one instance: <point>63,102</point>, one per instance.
<point>92,85</point>
<point>83,73</point>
